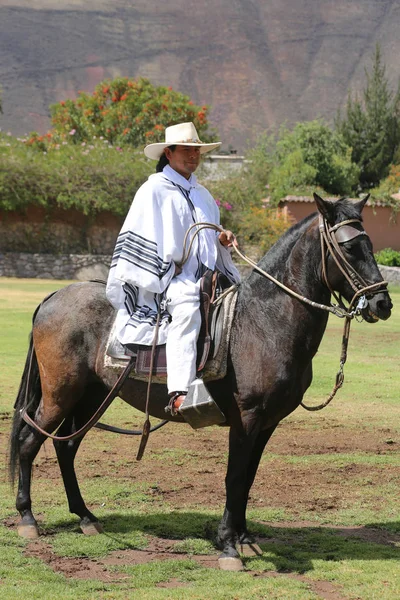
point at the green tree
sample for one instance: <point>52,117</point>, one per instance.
<point>371,126</point>
<point>126,112</point>
<point>312,155</point>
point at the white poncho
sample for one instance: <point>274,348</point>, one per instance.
<point>148,246</point>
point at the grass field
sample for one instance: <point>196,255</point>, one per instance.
<point>324,507</point>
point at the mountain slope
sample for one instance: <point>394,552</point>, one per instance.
<point>258,63</point>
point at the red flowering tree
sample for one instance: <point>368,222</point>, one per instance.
<point>126,111</point>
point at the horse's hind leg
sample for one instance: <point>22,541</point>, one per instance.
<point>29,445</point>
<point>66,452</point>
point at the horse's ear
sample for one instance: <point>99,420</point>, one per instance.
<point>326,208</point>
<point>360,205</point>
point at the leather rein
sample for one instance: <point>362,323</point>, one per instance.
<point>330,239</point>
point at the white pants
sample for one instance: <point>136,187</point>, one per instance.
<point>183,331</point>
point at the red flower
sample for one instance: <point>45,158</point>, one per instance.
<point>123,97</point>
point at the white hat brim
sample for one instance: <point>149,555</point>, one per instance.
<point>154,151</point>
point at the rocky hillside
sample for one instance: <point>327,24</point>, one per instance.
<point>257,62</point>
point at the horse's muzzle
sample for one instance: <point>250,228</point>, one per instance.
<point>379,307</point>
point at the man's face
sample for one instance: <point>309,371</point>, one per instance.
<point>184,159</point>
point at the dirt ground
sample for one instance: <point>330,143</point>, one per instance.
<point>187,468</point>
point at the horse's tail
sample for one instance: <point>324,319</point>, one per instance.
<point>29,394</point>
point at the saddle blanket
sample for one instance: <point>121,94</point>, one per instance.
<point>116,359</point>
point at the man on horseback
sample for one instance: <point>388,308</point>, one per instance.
<point>146,278</point>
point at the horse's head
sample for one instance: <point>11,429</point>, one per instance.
<point>350,265</point>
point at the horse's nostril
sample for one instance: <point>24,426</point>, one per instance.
<point>383,307</point>
<point>384,304</point>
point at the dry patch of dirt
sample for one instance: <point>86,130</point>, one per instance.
<point>187,468</point>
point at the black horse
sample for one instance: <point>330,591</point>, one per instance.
<point>273,341</point>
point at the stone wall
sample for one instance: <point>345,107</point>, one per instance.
<point>58,231</point>
<point>61,266</point>
<point>390,274</point>
<point>82,267</point>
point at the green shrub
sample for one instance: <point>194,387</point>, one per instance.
<point>241,197</point>
<point>312,155</point>
<point>125,111</point>
<point>260,227</point>
<point>389,186</point>
<point>388,257</point>
<point>92,177</point>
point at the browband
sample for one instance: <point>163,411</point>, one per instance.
<point>347,233</point>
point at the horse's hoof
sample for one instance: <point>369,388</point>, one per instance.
<point>29,532</point>
<point>91,527</point>
<point>249,549</point>
<point>230,563</point>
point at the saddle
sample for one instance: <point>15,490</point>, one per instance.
<point>213,323</point>
<point>212,285</point>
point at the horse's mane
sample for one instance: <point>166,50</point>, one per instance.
<point>278,254</point>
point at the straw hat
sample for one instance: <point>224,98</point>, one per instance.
<point>183,134</point>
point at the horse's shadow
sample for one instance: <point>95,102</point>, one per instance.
<point>285,548</point>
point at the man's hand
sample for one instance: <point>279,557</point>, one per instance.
<point>227,238</point>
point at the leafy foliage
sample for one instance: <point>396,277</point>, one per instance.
<point>388,257</point>
<point>125,111</point>
<point>389,186</point>
<point>90,177</point>
<point>261,227</point>
<point>242,199</point>
<point>371,126</point>
<point>312,155</point>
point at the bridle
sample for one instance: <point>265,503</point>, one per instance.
<point>331,240</point>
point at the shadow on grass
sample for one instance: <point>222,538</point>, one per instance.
<point>285,549</point>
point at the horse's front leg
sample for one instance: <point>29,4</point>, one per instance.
<point>245,450</point>
<point>244,537</point>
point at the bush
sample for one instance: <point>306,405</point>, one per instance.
<point>125,111</point>
<point>312,155</point>
<point>261,227</point>
<point>91,178</point>
<point>242,199</point>
<point>389,186</point>
<point>388,257</point>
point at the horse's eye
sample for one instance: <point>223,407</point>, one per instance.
<point>347,245</point>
